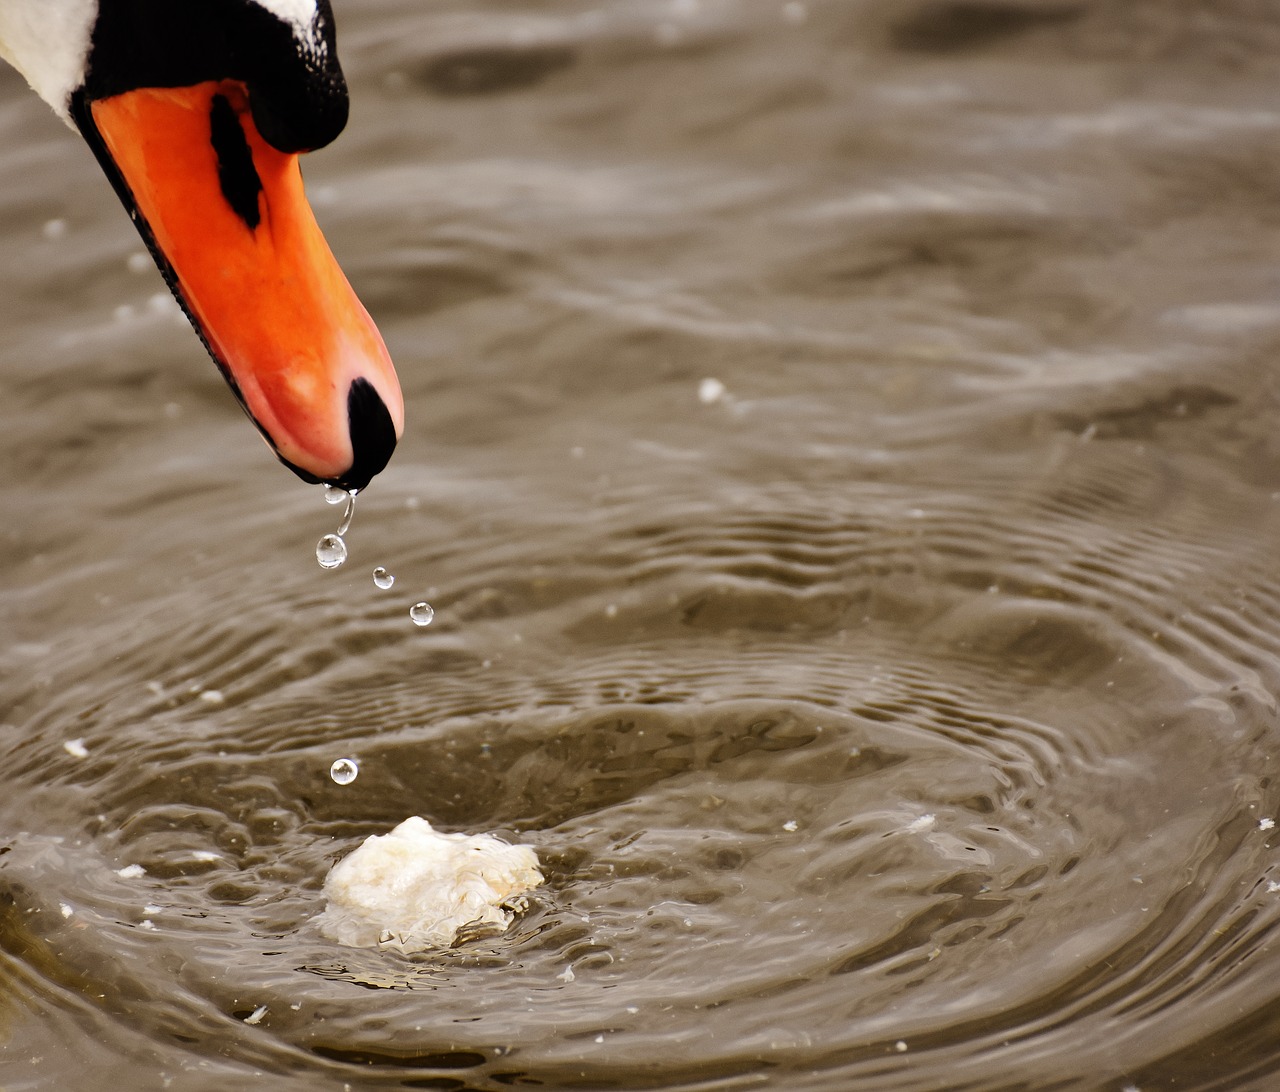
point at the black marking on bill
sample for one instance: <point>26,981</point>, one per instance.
<point>237,175</point>
<point>373,435</point>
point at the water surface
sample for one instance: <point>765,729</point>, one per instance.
<point>897,712</point>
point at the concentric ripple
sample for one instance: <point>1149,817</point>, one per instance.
<point>813,788</point>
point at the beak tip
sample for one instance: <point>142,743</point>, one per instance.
<point>373,436</point>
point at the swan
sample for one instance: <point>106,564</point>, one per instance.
<point>197,111</point>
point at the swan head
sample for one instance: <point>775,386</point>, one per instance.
<point>197,111</point>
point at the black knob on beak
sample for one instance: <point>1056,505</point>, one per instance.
<point>373,436</point>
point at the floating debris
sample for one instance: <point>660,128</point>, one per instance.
<point>413,889</point>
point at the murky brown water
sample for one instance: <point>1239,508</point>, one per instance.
<point>902,719</point>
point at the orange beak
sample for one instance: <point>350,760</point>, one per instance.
<point>228,222</point>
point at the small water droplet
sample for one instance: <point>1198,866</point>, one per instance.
<point>334,495</point>
<point>350,511</point>
<point>422,614</point>
<point>383,578</point>
<point>331,551</point>
<point>344,771</point>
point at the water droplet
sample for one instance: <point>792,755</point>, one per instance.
<point>344,771</point>
<point>350,511</point>
<point>334,495</point>
<point>331,551</point>
<point>422,614</point>
<point>382,578</point>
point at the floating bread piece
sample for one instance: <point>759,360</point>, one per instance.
<point>413,889</point>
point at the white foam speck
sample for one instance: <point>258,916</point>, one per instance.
<point>162,303</point>
<point>76,748</point>
<point>1266,824</point>
<point>795,12</point>
<point>65,909</point>
<point>131,872</point>
<point>256,1016</point>
<point>710,391</point>
<point>920,825</point>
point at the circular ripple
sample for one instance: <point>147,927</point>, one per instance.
<point>807,785</point>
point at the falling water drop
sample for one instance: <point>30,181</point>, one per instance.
<point>335,495</point>
<point>422,614</point>
<point>344,771</point>
<point>348,512</point>
<point>382,578</point>
<point>331,551</point>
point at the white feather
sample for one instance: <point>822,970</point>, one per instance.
<point>48,42</point>
<point>300,13</point>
